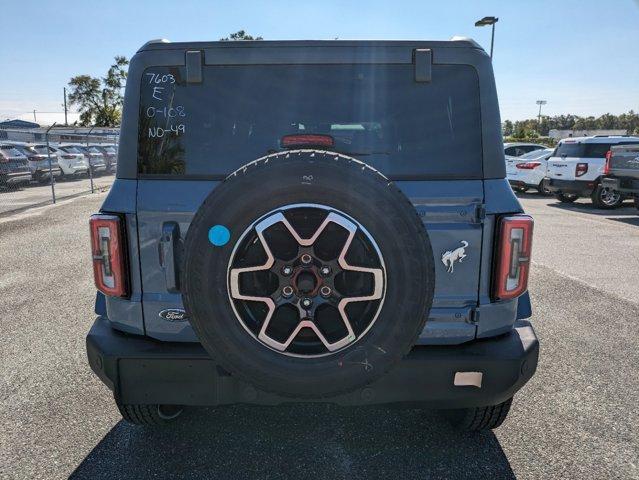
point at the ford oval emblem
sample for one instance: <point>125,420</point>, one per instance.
<point>173,314</point>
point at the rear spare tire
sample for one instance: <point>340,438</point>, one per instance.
<point>307,274</point>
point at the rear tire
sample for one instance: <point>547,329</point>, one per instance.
<point>479,418</point>
<point>542,188</point>
<point>606,199</point>
<point>566,197</point>
<point>149,415</point>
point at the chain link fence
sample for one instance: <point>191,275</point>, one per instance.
<point>45,165</point>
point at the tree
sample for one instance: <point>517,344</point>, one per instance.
<point>523,128</point>
<point>507,128</point>
<point>239,35</point>
<point>100,99</point>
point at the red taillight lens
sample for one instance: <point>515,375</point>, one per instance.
<point>527,165</point>
<point>108,250</point>
<point>513,256</point>
<point>307,140</point>
<point>581,169</point>
<point>606,170</point>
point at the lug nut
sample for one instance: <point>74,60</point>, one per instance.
<point>325,291</point>
<point>325,270</point>
<point>287,270</point>
<point>306,259</point>
<point>287,291</point>
<point>307,302</point>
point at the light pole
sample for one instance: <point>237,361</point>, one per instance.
<point>488,21</point>
<point>540,103</point>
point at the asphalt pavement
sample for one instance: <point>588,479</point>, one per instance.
<point>17,198</point>
<point>577,418</point>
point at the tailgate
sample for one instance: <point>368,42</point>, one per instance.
<point>562,168</point>
<point>625,161</point>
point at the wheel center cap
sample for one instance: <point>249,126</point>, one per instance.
<point>306,282</point>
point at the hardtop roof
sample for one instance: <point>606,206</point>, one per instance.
<point>455,42</point>
<point>600,139</point>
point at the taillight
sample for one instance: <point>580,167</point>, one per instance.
<point>581,169</point>
<point>307,140</point>
<point>606,169</point>
<point>528,165</point>
<point>513,256</point>
<point>109,255</point>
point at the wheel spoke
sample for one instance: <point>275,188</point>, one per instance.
<point>234,274</point>
<point>378,288</point>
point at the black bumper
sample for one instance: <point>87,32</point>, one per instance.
<point>622,184</point>
<point>575,187</point>
<point>519,183</point>
<point>140,370</point>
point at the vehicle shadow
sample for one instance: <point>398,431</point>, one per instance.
<point>297,441</point>
<point>628,220</point>
<point>626,209</point>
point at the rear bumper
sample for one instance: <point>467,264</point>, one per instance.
<point>140,370</point>
<point>15,178</point>
<point>622,184</point>
<point>46,173</point>
<point>521,183</point>
<point>583,188</point>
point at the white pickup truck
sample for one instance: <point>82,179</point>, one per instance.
<point>576,167</point>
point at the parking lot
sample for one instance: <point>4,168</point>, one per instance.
<point>577,417</point>
<point>34,194</point>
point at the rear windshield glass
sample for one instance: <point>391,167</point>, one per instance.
<point>42,149</point>
<point>583,150</point>
<point>70,149</point>
<point>377,113</point>
<point>9,151</point>
<point>536,154</point>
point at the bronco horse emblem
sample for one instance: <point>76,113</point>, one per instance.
<point>451,256</point>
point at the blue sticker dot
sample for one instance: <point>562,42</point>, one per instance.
<point>219,235</point>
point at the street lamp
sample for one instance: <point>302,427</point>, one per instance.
<point>488,21</point>
<point>540,103</point>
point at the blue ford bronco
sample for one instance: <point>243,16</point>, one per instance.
<point>312,221</point>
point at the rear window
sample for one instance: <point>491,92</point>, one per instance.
<point>582,150</point>
<point>42,149</point>
<point>536,154</point>
<point>9,151</point>
<point>70,149</point>
<point>377,113</point>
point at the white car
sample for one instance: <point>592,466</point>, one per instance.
<point>529,170</point>
<point>576,167</point>
<point>518,149</point>
<point>92,156</point>
<point>71,164</point>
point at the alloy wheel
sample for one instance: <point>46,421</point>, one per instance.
<point>306,280</point>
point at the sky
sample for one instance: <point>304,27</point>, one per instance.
<point>581,56</point>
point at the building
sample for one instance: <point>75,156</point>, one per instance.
<point>18,124</point>
<point>559,134</point>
